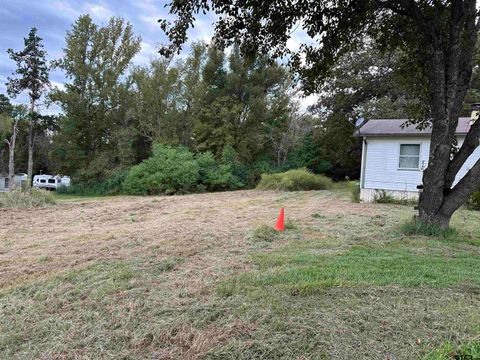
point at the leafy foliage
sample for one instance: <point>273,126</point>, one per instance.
<point>32,68</point>
<point>95,134</point>
<point>207,102</point>
<point>169,171</point>
<point>113,185</point>
<point>215,176</point>
<point>474,201</point>
<point>176,170</point>
<point>294,180</point>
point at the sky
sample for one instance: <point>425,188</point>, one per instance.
<point>54,17</point>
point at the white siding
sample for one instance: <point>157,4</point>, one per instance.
<point>381,164</point>
<point>381,160</point>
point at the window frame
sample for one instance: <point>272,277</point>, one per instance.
<point>419,168</point>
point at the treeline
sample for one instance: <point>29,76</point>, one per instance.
<point>212,102</point>
<point>207,102</point>
<point>242,114</point>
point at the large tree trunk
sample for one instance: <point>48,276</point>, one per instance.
<point>451,72</point>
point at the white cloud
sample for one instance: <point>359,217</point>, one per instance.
<point>306,101</point>
<point>64,8</point>
<point>298,36</point>
<point>147,53</point>
<point>151,21</point>
<point>99,12</point>
<point>56,84</point>
<point>202,30</point>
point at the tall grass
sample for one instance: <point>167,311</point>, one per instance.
<point>354,187</point>
<point>26,198</point>
<point>294,180</point>
<point>382,197</point>
<point>416,227</point>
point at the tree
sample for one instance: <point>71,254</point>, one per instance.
<point>158,90</point>
<point>5,106</point>
<point>364,83</point>
<point>437,39</point>
<point>286,123</point>
<point>237,96</point>
<point>10,116</point>
<point>45,127</point>
<point>19,113</point>
<point>33,77</point>
<point>95,60</point>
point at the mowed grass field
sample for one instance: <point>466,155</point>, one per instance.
<point>205,277</point>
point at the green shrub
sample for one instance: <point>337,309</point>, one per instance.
<point>113,185</point>
<point>473,202</point>
<point>169,171</point>
<point>175,170</point>
<point>294,180</point>
<point>354,187</point>
<point>26,198</point>
<point>214,176</point>
<point>230,157</point>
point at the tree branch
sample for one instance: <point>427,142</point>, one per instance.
<point>461,192</point>
<point>472,141</point>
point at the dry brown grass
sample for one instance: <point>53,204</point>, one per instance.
<point>209,229</point>
<point>208,232</point>
<point>142,278</point>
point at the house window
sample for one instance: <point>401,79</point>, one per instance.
<point>409,156</point>
<point>7,183</point>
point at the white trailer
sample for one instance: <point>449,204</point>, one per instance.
<point>50,182</point>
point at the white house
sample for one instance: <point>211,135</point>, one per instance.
<point>394,157</point>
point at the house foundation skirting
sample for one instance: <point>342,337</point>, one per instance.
<point>369,195</point>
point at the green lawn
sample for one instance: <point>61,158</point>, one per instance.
<point>335,285</point>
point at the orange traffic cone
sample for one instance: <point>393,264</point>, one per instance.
<point>281,221</point>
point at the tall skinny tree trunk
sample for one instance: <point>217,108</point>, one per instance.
<point>11,156</point>
<point>31,144</point>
